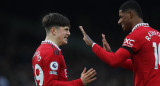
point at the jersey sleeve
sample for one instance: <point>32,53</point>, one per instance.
<point>77,82</point>
<point>132,42</point>
<point>127,64</point>
<point>113,59</point>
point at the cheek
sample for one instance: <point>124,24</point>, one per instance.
<point>127,26</point>
<point>59,36</point>
<point>126,21</point>
<point>122,21</point>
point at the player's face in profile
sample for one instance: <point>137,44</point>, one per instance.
<point>62,35</point>
<point>124,20</point>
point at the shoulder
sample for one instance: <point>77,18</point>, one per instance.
<point>142,30</point>
<point>139,33</point>
<point>42,51</point>
<point>136,36</point>
<point>50,52</point>
<point>45,49</point>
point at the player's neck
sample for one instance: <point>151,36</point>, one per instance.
<point>51,39</point>
<point>137,21</point>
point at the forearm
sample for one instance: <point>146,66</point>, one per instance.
<point>113,59</point>
<point>127,64</point>
<point>76,82</point>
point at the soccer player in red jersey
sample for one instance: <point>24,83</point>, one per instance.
<point>142,44</point>
<point>48,63</point>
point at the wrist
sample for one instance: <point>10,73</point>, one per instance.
<point>93,44</point>
<point>83,82</point>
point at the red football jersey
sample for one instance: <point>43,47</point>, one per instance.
<point>143,46</point>
<point>49,67</point>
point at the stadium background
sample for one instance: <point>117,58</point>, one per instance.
<point>21,33</point>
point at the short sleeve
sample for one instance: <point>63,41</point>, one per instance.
<point>132,43</point>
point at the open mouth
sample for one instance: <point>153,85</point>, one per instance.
<point>66,38</point>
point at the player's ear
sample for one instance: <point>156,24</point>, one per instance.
<point>131,13</point>
<point>53,31</point>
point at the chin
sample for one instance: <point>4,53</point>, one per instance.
<point>64,43</point>
<point>124,28</point>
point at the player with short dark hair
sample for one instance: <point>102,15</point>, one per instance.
<point>132,5</point>
<point>48,63</point>
<point>142,44</point>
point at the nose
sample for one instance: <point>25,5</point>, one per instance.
<point>119,21</point>
<point>68,33</point>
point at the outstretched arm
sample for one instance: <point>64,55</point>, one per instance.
<point>126,64</point>
<point>113,59</point>
<point>86,78</point>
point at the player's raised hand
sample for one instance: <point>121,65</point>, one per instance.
<point>105,44</point>
<point>86,38</point>
<point>88,77</point>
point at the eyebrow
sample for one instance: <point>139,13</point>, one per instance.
<point>67,28</point>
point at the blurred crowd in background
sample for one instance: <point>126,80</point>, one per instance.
<point>22,32</point>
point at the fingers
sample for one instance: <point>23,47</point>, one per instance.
<point>84,70</point>
<point>82,30</point>
<point>105,44</point>
<point>91,74</point>
<point>103,36</point>
<point>92,79</point>
<point>88,76</point>
<point>104,41</point>
<point>89,71</point>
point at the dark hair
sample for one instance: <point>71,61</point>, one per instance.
<point>131,5</point>
<point>55,19</point>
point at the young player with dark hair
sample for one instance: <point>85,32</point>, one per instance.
<point>142,44</point>
<point>48,63</point>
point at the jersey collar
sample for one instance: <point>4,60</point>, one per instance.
<point>140,24</point>
<point>50,42</point>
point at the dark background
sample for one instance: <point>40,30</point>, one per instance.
<point>21,33</point>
